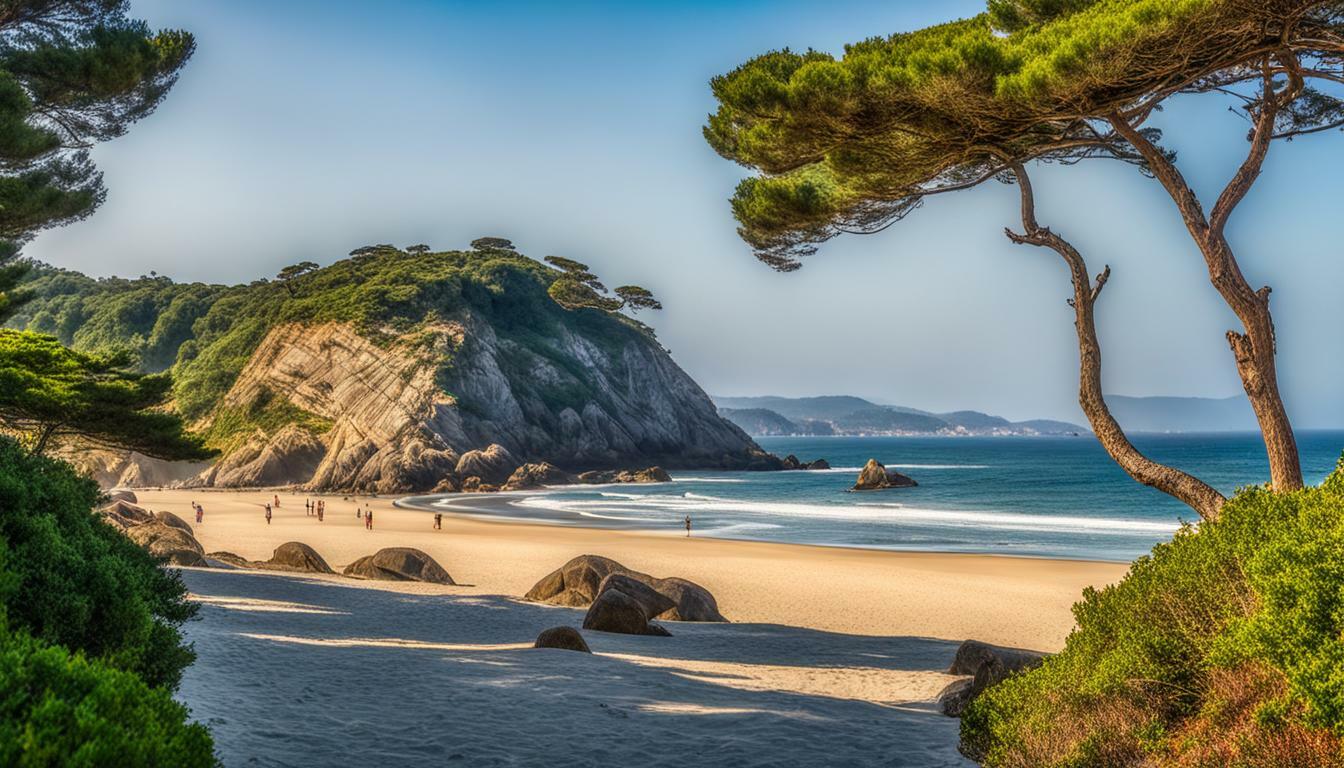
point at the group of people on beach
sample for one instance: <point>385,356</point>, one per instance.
<point>318,508</point>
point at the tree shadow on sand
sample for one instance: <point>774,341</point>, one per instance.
<point>296,671</point>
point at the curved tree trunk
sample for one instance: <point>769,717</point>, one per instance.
<point>1197,494</point>
<point>1254,347</point>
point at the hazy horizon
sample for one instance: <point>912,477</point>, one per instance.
<point>575,130</point>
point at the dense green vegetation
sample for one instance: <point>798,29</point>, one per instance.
<point>386,293</point>
<point>1224,647</point>
<point>62,709</point>
<point>50,393</point>
<point>90,640</point>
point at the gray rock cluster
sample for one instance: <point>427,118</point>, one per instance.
<point>579,582</point>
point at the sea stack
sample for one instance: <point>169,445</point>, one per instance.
<point>875,477</point>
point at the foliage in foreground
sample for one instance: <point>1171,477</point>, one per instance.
<point>61,709</point>
<point>49,393</point>
<point>67,578</point>
<point>1223,647</point>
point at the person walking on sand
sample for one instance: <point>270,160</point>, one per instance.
<point>368,520</point>
<point>268,513</point>
<point>277,500</point>
<point>319,514</point>
<point>688,526</point>
<point>200,512</point>
<point>438,521</point>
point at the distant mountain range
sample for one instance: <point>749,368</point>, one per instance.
<point>1182,414</point>
<point>848,415</point>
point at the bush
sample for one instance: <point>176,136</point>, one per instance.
<point>1223,647</point>
<point>67,578</point>
<point>60,709</point>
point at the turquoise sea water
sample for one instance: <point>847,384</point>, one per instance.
<point>1040,496</point>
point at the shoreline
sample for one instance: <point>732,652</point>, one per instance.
<point>1003,599</point>
<point>500,499</point>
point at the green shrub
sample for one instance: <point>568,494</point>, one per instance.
<point>60,709</point>
<point>1258,592</point>
<point>68,578</point>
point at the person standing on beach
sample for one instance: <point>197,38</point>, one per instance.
<point>268,513</point>
<point>200,512</point>
<point>438,521</point>
<point>368,520</point>
<point>277,500</point>
<point>688,526</point>
<point>319,514</point>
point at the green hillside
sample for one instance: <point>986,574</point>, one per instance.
<point>206,333</point>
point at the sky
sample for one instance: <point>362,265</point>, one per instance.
<point>301,130</point>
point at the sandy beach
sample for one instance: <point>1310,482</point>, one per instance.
<point>836,653</point>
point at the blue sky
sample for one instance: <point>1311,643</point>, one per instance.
<point>301,130</point>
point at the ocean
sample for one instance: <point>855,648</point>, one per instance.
<point>1034,496</point>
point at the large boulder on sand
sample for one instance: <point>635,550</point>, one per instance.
<point>122,495</point>
<point>563,638</point>
<point>168,543</point>
<point>532,476</point>
<point>575,583</point>
<point>988,665</point>
<point>125,514</point>
<point>578,582</point>
<point>493,465</point>
<point>692,602</point>
<point>168,518</point>
<point>297,556</point>
<point>399,564</point>
<point>875,477</point>
<point>615,611</point>
<point>653,602</point>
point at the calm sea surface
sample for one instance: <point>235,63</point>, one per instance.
<point>1042,496</point>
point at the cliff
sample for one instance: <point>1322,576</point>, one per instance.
<point>381,373</point>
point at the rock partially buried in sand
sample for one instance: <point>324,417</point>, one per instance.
<point>875,477</point>
<point>988,665</point>
<point>122,495</point>
<point>399,564</point>
<point>297,556</point>
<point>168,518</point>
<point>615,611</point>
<point>532,476</point>
<point>125,514</point>
<point>170,544</point>
<point>563,638</point>
<point>578,582</point>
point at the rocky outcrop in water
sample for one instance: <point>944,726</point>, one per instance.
<point>875,477</point>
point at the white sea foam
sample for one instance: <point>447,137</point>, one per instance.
<point>636,508</point>
<point>852,470</point>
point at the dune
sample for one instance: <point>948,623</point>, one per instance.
<point>833,656</point>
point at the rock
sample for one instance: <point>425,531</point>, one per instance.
<point>578,582</point>
<point>493,465</point>
<point>609,477</point>
<point>122,495</point>
<point>532,476</point>
<point>229,559</point>
<point>650,600</point>
<point>292,453</point>
<point>297,556</point>
<point>167,543</point>
<point>875,477</point>
<point>792,462</point>
<point>692,601</point>
<point>988,665</point>
<point>399,564</point>
<point>575,583</point>
<point>124,514</point>
<point>168,518</point>
<point>818,464</point>
<point>448,484</point>
<point>615,611</point>
<point>952,700</point>
<point>564,638</point>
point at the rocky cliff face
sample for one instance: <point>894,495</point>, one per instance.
<point>398,417</point>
